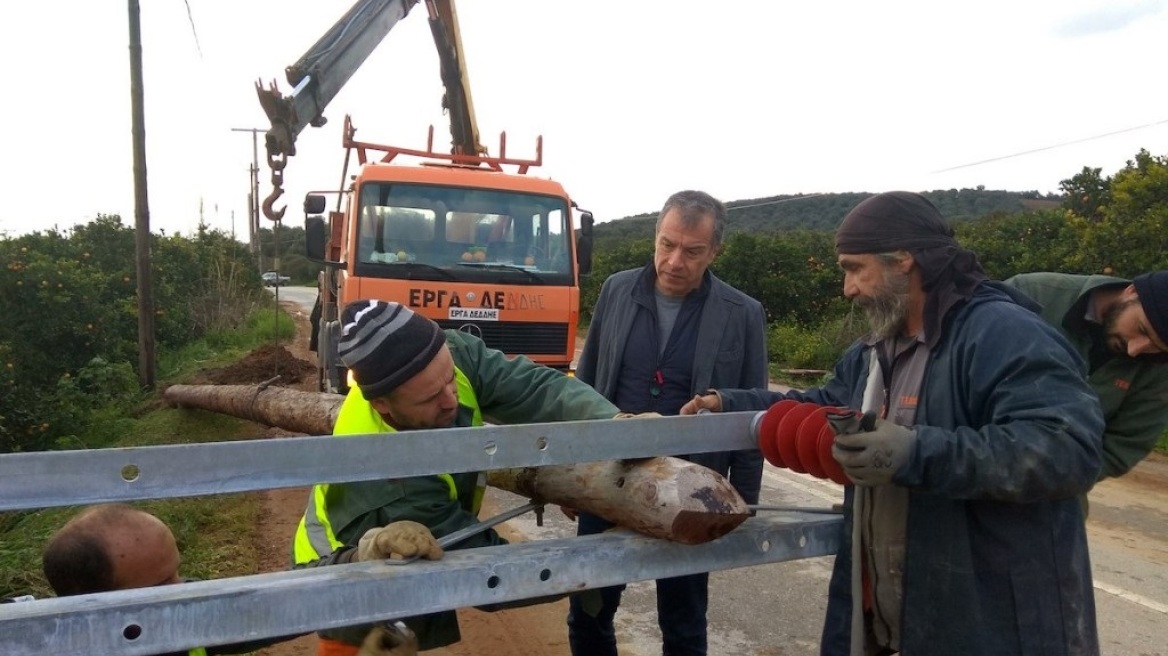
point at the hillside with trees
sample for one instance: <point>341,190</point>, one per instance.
<point>824,211</point>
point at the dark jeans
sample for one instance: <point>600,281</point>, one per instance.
<point>681,611</point>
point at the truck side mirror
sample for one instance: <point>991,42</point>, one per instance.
<point>584,244</point>
<point>313,204</point>
<point>315,236</point>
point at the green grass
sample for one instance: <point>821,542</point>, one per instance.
<point>265,325</point>
<point>216,535</point>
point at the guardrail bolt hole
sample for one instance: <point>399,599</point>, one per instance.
<point>132,632</point>
<point>545,574</point>
<point>130,473</point>
<point>493,582</point>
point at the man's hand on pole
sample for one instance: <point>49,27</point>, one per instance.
<point>708,401</point>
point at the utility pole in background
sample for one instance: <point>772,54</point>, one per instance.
<point>141,206</point>
<point>253,197</point>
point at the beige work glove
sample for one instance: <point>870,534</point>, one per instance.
<point>404,539</point>
<point>396,640</point>
<point>635,415</point>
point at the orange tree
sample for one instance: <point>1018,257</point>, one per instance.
<point>69,339</point>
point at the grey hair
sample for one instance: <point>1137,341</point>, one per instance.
<point>694,207</point>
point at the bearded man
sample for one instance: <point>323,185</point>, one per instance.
<point>962,531</point>
<point>1119,326</point>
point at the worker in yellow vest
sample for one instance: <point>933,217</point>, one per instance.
<point>412,375</point>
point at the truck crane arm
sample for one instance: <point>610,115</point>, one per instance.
<point>464,130</point>
<point>319,75</point>
<point>325,68</point>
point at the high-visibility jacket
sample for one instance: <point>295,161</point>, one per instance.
<point>316,536</point>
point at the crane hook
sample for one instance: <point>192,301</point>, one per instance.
<point>277,162</point>
<point>271,212</point>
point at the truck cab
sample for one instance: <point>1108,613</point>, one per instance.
<point>488,253</point>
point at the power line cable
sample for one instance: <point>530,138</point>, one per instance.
<point>1052,147</point>
<point>191,20</point>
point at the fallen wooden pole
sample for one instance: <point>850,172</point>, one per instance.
<point>662,497</point>
<point>311,413</point>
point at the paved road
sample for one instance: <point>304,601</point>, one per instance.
<point>778,609</point>
<point>302,296</point>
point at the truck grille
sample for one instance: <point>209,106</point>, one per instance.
<point>516,337</point>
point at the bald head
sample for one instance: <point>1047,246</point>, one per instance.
<point>110,547</point>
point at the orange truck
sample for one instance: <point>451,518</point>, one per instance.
<point>490,253</point>
<point>468,239</point>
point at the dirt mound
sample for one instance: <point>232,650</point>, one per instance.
<point>262,364</point>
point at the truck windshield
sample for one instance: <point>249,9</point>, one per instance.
<point>462,234</point>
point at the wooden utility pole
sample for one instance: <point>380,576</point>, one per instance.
<point>253,197</point>
<point>141,206</point>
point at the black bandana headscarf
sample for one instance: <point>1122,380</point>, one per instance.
<point>900,220</point>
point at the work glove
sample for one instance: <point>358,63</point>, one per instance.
<point>390,640</point>
<point>870,452</point>
<point>635,415</point>
<point>404,539</point>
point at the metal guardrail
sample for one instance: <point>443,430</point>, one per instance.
<point>205,613</point>
<point>177,617</point>
<point>63,478</point>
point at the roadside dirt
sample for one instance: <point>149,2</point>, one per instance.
<point>533,631</point>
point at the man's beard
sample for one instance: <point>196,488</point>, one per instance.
<point>1111,319</point>
<point>887,307</point>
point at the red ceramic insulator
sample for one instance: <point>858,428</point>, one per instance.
<point>807,442</point>
<point>768,428</point>
<point>788,432</point>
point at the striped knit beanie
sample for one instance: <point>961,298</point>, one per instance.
<point>385,344</point>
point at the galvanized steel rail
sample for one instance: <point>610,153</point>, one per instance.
<point>179,617</point>
<point>62,478</point>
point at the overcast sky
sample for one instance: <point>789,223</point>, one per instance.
<point>634,99</point>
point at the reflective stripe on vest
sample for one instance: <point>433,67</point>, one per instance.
<point>315,537</point>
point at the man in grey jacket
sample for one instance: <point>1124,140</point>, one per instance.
<point>659,335</point>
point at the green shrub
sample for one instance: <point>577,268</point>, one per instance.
<point>793,346</point>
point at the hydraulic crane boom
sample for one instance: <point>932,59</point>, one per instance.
<point>325,68</point>
<point>464,130</point>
